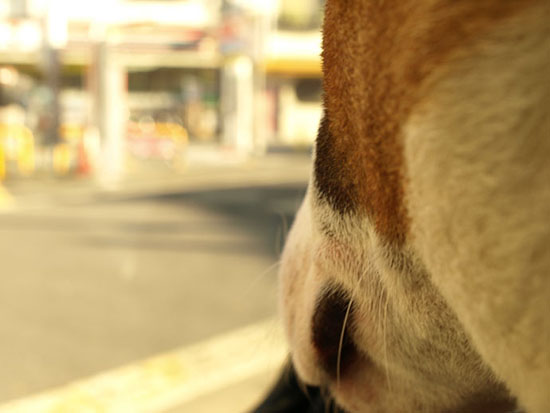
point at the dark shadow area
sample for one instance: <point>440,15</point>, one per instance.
<point>217,247</point>
<point>72,224</point>
<point>266,210</point>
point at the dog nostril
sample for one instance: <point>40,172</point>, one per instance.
<point>330,331</point>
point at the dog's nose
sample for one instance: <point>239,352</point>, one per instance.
<point>331,326</point>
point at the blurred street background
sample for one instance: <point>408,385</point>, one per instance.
<point>152,157</point>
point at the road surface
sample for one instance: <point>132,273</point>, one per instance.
<point>91,286</point>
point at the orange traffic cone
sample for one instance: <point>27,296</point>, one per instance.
<point>84,166</point>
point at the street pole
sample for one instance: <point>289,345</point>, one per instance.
<point>53,75</point>
<point>261,25</point>
<point>55,39</point>
<point>238,103</point>
<point>108,88</point>
<point>244,79</point>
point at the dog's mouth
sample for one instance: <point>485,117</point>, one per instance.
<point>487,406</point>
<point>290,395</point>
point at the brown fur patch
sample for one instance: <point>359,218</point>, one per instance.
<point>377,55</point>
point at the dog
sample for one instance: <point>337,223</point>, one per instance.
<point>416,276</point>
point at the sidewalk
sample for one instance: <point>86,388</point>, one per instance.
<point>203,171</point>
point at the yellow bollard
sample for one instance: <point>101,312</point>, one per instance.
<point>2,162</point>
<point>25,159</point>
<point>61,158</point>
<point>6,200</point>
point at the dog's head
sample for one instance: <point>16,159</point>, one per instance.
<point>361,310</point>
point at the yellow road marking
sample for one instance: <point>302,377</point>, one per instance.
<point>167,380</point>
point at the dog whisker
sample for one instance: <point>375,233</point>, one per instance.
<point>281,234</point>
<point>260,276</point>
<point>341,342</point>
<point>385,344</point>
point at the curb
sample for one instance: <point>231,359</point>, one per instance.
<point>170,379</point>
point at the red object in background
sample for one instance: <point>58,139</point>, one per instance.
<point>83,165</point>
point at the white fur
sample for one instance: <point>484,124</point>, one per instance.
<point>478,163</point>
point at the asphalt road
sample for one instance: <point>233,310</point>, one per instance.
<point>99,284</point>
